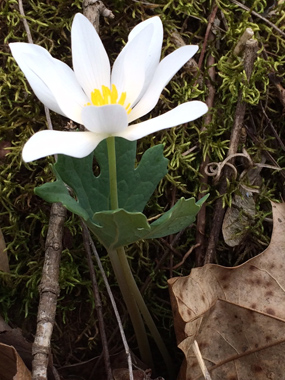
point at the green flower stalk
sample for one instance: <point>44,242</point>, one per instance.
<point>131,294</point>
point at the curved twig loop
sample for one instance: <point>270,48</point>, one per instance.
<point>214,169</point>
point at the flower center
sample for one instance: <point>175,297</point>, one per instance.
<point>107,96</point>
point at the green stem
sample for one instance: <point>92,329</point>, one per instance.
<point>129,298</point>
<point>112,173</point>
<point>133,288</point>
<point>133,310</point>
<point>131,294</point>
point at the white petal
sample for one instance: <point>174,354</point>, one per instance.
<point>46,143</point>
<point>61,81</point>
<point>164,72</point>
<point>154,48</point>
<point>39,87</point>
<point>129,69</point>
<point>184,113</point>
<point>90,61</point>
<point>106,120</point>
<point>139,27</point>
<point>58,78</point>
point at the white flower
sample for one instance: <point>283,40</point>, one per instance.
<point>104,101</point>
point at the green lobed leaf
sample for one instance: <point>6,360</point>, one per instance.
<point>120,227</point>
<point>57,191</point>
<point>115,228</point>
<point>135,185</point>
<point>92,192</point>
<point>181,215</point>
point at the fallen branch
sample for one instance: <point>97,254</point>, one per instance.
<point>93,9</point>
<point>49,292</point>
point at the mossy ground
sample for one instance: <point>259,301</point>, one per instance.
<point>24,217</point>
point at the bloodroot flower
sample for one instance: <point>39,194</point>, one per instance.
<point>106,102</point>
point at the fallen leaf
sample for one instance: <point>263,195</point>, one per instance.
<point>11,365</point>
<point>15,339</point>
<point>242,211</point>
<point>238,217</point>
<point>237,315</point>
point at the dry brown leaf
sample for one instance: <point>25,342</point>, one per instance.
<point>11,365</point>
<point>237,217</point>
<point>237,315</point>
<point>242,211</point>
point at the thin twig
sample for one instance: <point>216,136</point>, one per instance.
<point>207,34</point>
<point>25,22</point>
<point>201,217</point>
<point>49,123</point>
<point>98,304</point>
<point>186,256</point>
<point>124,340</point>
<point>273,26</point>
<point>201,362</point>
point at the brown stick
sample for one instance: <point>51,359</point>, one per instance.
<point>264,19</point>
<point>201,217</point>
<point>92,9</point>
<point>249,58</point>
<point>25,22</point>
<point>49,291</point>
<point>207,34</point>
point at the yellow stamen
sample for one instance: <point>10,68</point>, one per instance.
<point>107,96</point>
<point>114,95</point>
<point>128,106</point>
<point>97,98</point>
<point>122,98</point>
